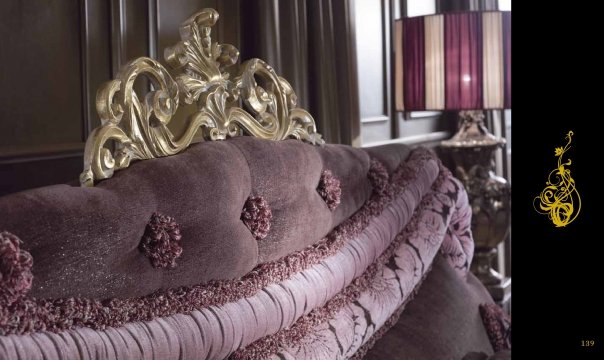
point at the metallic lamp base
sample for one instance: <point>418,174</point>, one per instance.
<point>472,149</point>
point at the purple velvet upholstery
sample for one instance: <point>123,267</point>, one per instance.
<point>351,328</point>
<point>390,155</point>
<point>217,331</point>
<point>270,267</point>
<point>85,241</point>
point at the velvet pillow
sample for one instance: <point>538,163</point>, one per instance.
<point>498,325</point>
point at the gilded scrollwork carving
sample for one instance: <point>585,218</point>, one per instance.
<point>138,130</point>
<point>560,200</point>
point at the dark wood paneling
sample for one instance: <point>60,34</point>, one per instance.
<point>131,35</point>
<point>95,39</point>
<point>373,24</point>
<point>54,56</point>
<point>345,29</point>
<point>371,41</point>
<point>406,127</point>
<point>47,169</point>
<point>136,29</point>
<point>228,27</point>
<point>294,47</point>
<point>132,32</point>
<point>172,13</point>
<point>40,74</point>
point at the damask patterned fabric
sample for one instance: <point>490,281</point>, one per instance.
<point>458,245</point>
<point>394,284</point>
<point>441,322</point>
<point>328,300</point>
<point>498,325</point>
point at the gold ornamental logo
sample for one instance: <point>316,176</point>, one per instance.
<point>560,200</point>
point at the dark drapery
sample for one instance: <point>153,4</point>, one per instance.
<point>311,44</point>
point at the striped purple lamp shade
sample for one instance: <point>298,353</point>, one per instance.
<point>457,61</point>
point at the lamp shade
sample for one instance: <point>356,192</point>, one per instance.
<point>456,61</point>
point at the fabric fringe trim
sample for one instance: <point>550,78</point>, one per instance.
<point>292,336</point>
<point>29,314</point>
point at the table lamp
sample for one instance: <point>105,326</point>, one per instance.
<point>462,61</point>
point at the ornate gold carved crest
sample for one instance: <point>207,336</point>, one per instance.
<point>137,126</point>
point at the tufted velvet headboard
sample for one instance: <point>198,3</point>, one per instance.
<point>86,241</point>
<point>247,248</point>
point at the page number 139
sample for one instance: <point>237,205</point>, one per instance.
<point>588,343</point>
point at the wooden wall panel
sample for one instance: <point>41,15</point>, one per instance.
<point>95,40</point>
<point>373,31</point>
<point>40,75</point>
<point>30,172</point>
<point>414,128</point>
<point>375,131</point>
<point>371,46</point>
<point>56,54</point>
<point>136,28</point>
<point>228,29</point>
<point>170,14</point>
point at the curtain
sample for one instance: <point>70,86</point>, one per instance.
<point>311,44</point>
